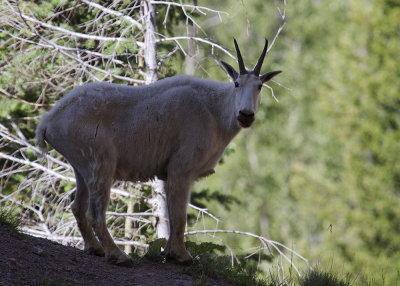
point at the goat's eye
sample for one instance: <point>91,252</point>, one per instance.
<point>260,86</point>
<point>236,84</point>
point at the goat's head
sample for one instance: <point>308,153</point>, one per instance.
<point>248,85</point>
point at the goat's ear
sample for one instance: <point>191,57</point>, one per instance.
<point>230,70</point>
<point>269,75</point>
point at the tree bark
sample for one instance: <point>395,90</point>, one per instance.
<point>190,68</point>
<point>150,45</point>
<point>160,209</point>
<point>128,225</point>
<point>159,200</point>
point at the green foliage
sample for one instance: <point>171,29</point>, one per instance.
<point>198,197</point>
<point>321,278</point>
<point>9,219</point>
<point>197,249</point>
<point>155,250</point>
<point>220,267</point>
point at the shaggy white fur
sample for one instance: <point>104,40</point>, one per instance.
<point>176,129</point>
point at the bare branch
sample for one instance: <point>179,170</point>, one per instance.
<point>205,211</point>
<point>197,39</point>
<point>170,54</point>
<point>114,13</point>
<point>276,245</point>
<point>283,18</point>
<point>9,95</point>
<point>76,34</point>
<point>272,91</point>
<point>200,9</point>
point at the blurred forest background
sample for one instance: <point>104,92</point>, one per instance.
<point>319,171</point>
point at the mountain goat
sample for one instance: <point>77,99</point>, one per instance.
<point>176,129</point>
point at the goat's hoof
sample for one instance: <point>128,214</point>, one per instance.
<point>122,260</point>
<point>98,251</point>
<point>185,260</point>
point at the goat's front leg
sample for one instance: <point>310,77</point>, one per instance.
<point>177,192</point>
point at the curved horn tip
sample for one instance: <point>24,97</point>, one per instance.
<point>266,42</point>
<point>257,67</point>
<point>242,68</point>
<point>236,43</point>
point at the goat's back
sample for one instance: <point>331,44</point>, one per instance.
<point>137,131</point>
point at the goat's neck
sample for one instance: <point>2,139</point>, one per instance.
<point>221,103</point>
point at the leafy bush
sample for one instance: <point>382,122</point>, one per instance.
<point>9,219</point>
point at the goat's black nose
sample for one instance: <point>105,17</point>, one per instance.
<point>245,117</point>
<point>246,113</point>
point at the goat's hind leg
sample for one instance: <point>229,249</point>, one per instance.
<point>79,209</point>
<point>99,196</point>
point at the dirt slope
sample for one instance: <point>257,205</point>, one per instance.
<point>27,260</point>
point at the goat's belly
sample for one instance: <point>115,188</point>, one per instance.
<point>135,176</point>
<point>136,170</point>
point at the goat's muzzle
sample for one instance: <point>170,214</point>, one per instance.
<point>246,118</point>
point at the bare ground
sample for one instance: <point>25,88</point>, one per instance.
<point>27,260</point>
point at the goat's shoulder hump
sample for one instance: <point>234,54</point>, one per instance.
<point>186,80</point>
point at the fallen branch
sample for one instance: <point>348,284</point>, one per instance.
<point>276,245</point>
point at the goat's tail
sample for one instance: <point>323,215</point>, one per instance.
<point>41,135</point>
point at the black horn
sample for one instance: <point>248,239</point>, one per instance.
<point>242,68</point>
<point>257,67</point>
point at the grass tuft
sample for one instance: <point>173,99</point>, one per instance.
<point>10,220</point>
<point>220,268</point>
<point>321,278</point>
<point>208,264</point>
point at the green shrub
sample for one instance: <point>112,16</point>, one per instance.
<point>10,220</point>
<point>322,278</point>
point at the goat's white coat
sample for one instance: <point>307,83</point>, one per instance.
<point>139,131</point>
<point>176,129</point>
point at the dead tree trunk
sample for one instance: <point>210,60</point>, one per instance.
<point>150,45</point>
<point>128,225</point>
<point>159,201</point>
